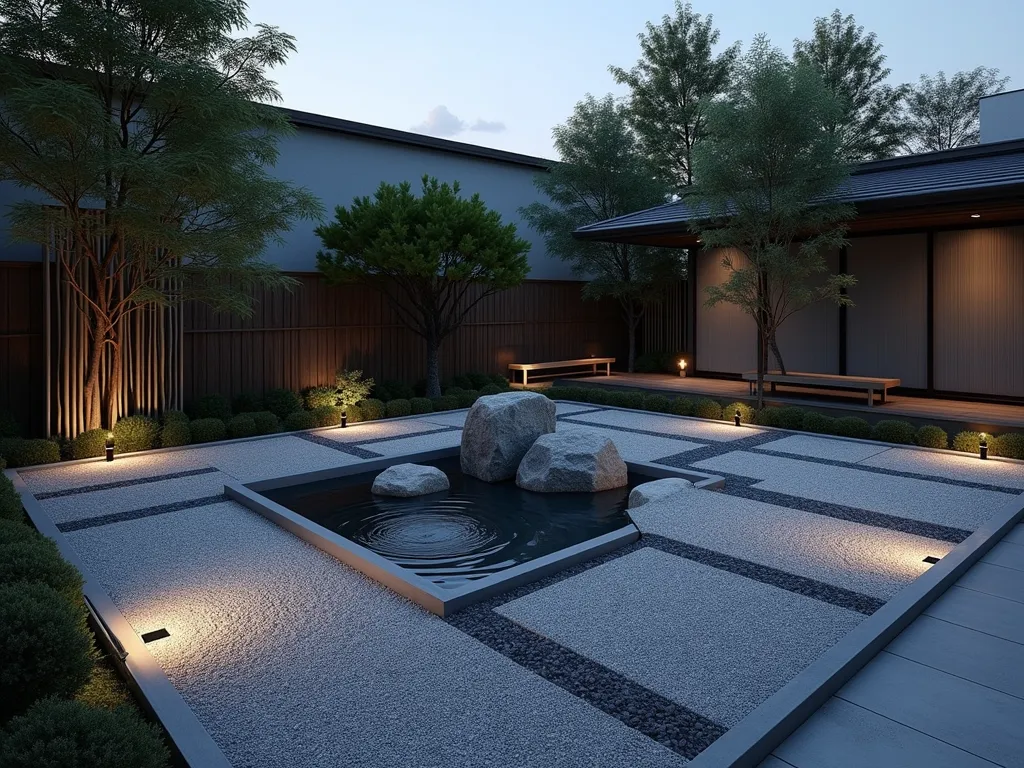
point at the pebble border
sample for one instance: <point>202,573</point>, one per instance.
<point>351,450</point>
<point>123,483</point>
<point>135,514</point>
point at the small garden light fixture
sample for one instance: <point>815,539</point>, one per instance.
<point>344,419</point>
<point>109,446</point>
<point>736,417</point>
<point>682,369</point>
<point>156,634</point>
<point>975,215</point>
<point>931,560</point>
<point>983,446</point>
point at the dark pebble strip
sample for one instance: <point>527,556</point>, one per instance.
<point>801,585</point>
<point>124,483</point>
<point>136,514</point>
<point>351,450</point>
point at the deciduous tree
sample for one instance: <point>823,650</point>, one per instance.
<point>944,113</point>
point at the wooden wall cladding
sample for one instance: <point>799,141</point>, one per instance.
<point>22,358</point>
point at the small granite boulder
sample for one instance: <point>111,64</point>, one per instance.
<point>409,480</point>
<point>572,461</point>
<point>500,429</point>
<point>656,490</point>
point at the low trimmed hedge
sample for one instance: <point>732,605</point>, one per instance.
<point>281,402</point>
<point>297,420</point>
<point>10,500</point>
<point>266,422</point>
<point>27,556</point>
<point>894,431</point>
<point>819,423</point>
<point>398,408</point>
<point>247,402</point>
<point>1011,445</point>
<point>170,416</point>
<point>393,389</point>
<point>853,426</point>
<point>682,406</point>
<point>23,452</point>
<point>707,408</point>
<point>89,444</point>
<point>210,407</point>
<point>747,414</point>
<point>372,409</point>
<point>175,432</point>
<point>445,403</point>
<point>207,430</point>
<point>490,389</point>
<point>658,404</point>
<point>969,442</point>
<point>136,433</point>
<point>466,397</point>
<point>242,425</point>
<point>931,436</point>
<point>421,405</point>
<point>317,397</point>
<point>326,416</point>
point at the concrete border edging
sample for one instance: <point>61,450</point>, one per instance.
<point>751,740</point>
<point>145,676</point>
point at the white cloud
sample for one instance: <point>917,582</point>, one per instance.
<point>441,122</point>
<point>488,126</point>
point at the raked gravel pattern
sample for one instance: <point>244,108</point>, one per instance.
<point>291,660</point>
<point>958,467</point>
<point>417,443</point>
<point>824,448</point>
<point>711,640</point>
<point>371,431</point>
<point>702,429</point>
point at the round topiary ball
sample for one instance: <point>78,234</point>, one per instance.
<point>136,433</point>
<point>372,409</point>
<point>708,409</point>
<point>175,432</point>
<point>326,416</point>
<point>747,413</point>
<point>490,389</point>
<point>297,420</point>
<point>208,430</point>
<point>281,402</point>
<point>266,422</point>
<point>89,444</point>
<point>242,425</point>
<point>398,408</point>
<point>445,403</point>
<point>35,558</point>
<point>421,405</point>
<point>931,436</point>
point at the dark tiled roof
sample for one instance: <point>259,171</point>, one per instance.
<point>986,170</point>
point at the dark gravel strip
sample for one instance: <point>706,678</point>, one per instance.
<point>801,585</point>
<point>123,483</point>
<point>351,450</point>
<point>135,514</point>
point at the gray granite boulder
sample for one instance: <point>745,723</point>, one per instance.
<point>500,429</point>
<point>409,480</point>
<point>656,490</point>
<point>571,461</point>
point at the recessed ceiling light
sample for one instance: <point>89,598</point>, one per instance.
<point>975,215</point>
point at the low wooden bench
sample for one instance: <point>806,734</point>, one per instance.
<point>870,384</point>
<point>592,362</point>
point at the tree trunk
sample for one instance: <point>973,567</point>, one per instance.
<point>777,354</point>
<point>631,361</point>
<point>433,369</point>
<point>91,395</point>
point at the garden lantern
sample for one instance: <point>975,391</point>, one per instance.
<point>983,446</point>
<point>110,446</point>
<point>682,369</point>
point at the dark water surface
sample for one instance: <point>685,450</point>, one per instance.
<point>471,531</point>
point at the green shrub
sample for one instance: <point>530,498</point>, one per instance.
<point>89,444</point>
<point>174,433</point>
<point>635,400</point>
<point>317,397</point>
<point>420,405</point>
<point>9,426</point>
<point>682,406</point>
<point>492,389</point>
<point>398,407</point>
<point>707,409</point>
<point>819,423</point>
<point>769,416</point>
<point>791,417</point>
<point>266,422</point>
<point>931,436</point>
<point>597,395</point>
<point>45,645</point>
<point>894,431</point>
<point>10,502</point>
<point>207,430</point>
<point>501,381</point>
<point>658,404</point>
<point>445,403</point>
<point>462,382</point>
<point>853,426</point>
<point>297,420</point>
<point>35,558</point>
<point>242,425</point>
<point>467,397</point>
<point>211,407</point>
<point>354,413</point>
<point>69,734</point>
<point>170,416</point>
<point>247,402</point>
<point>478,380</point>
<point>281,402</point>
<point>1011,445</point>
<point>397,390</point>
<point>326,416</point>
<point>747,413</point>
<point>969,442</point>
<point>372,408</point>
<point>136,433</point>
<point>22,452</point>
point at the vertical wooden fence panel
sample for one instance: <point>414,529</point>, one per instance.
<point>22,345</point>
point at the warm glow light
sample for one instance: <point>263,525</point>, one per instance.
<point>682,365</point>
<point>983,446</point>
<point>975,215</point>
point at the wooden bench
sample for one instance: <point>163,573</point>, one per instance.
<point>870,384</point>
<point>593,362</point>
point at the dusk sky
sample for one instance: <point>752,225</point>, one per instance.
<point>502,74</point>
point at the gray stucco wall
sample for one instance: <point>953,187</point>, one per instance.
<point>726,337</point>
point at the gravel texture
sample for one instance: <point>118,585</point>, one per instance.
<point>448,418</point>
<point>264,459</point>
<point>857,557</point>
<point>415,444</point>
<point>633,446</point>
<point>290,659</point>
<point>123,470</point>
<point>338,445</point>
<point>824,448</point>
<point>370,431</point>
<point>934,502</point>
<point>956,467</point>
<point>716,642</point>
<point>128,483</point>
<point>136,514</point>
<point>669,426</point>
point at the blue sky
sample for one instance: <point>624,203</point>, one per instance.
<point>503,73</point>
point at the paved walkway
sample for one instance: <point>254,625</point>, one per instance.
<point>948,692</point>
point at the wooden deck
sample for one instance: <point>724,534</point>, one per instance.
<point>990,417</point>
<point>948,691</point>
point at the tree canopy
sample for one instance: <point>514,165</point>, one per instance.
<point>943,113</point>
<point>433,257</point>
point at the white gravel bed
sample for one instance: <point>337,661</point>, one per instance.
<point>61,477</point>
<point>866,559</point>
<point>953,466</point>
<point>415,444</point>
<point>633,446</point>
<point>719,431</point>
<point>564,408</point>
<point>82,506</point>
<point>824,448</point>
<point>375,430</point>
<point>263,459</point>
<point>713,641</point>
<point>901,496</point>
<point>447,418</point>
<point>292,660</point>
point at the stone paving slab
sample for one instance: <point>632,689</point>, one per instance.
<point>902,496</point>
<point>292,660</point>
<point>985,613</point>
<point>711,640</point>
<point>953,466</point>
<point>995,580</point>
<point>875,561</point>
<point>719,431</point>
<point>1006,554</point>
<point>1016,534</point>
<point>632,446</point>
<point>972,717</point>
<point>825,448</point>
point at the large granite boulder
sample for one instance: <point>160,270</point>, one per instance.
<point>500,429</point>
<point>571,461</point>
<point>656,490</point>
<point>409,480</point>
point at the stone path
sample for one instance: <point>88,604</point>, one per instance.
<point>642,657</point>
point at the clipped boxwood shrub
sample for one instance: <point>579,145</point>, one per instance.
<point>969,442</point>
<point>467,397</point>
<point>355,414</point>
<point>326,416</point>
<point>634,400</point>
<point>174,433</point>
<point>462,382</point>
<point>10,501</point>
<point>931,436</point>
<point>682,406</point>
<point>393,389</point>
<point>501,381</point>
<point>247,402</point>
<point>89,444</point>
<point>242,425</point>
<point>61,734</point>
<point>769,416</point>
<point>170,416</point>
<point>445,403</point>
<point>398,407</point>
<point>297,420</point>
<point>45,644</point>
<point>791,417</point>
<point>853,426</point>
<point>317,397</point>
<point>747,413</point>
<point>598,396</point>
<point>894,431</point>
<point>211,407</point>
<point>658,404</point>
<point>22,452</point>
<point>266,422</point>
<point>1011,445</point>
<point>707,409</point>
<point>207,430</point>
<point>136,433</point>
<point>281,402</point>
<point>491,389</point>
<point>35,558</point>
<point>421,405</point>
<point>819,423</point>
<point>372,408</point>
